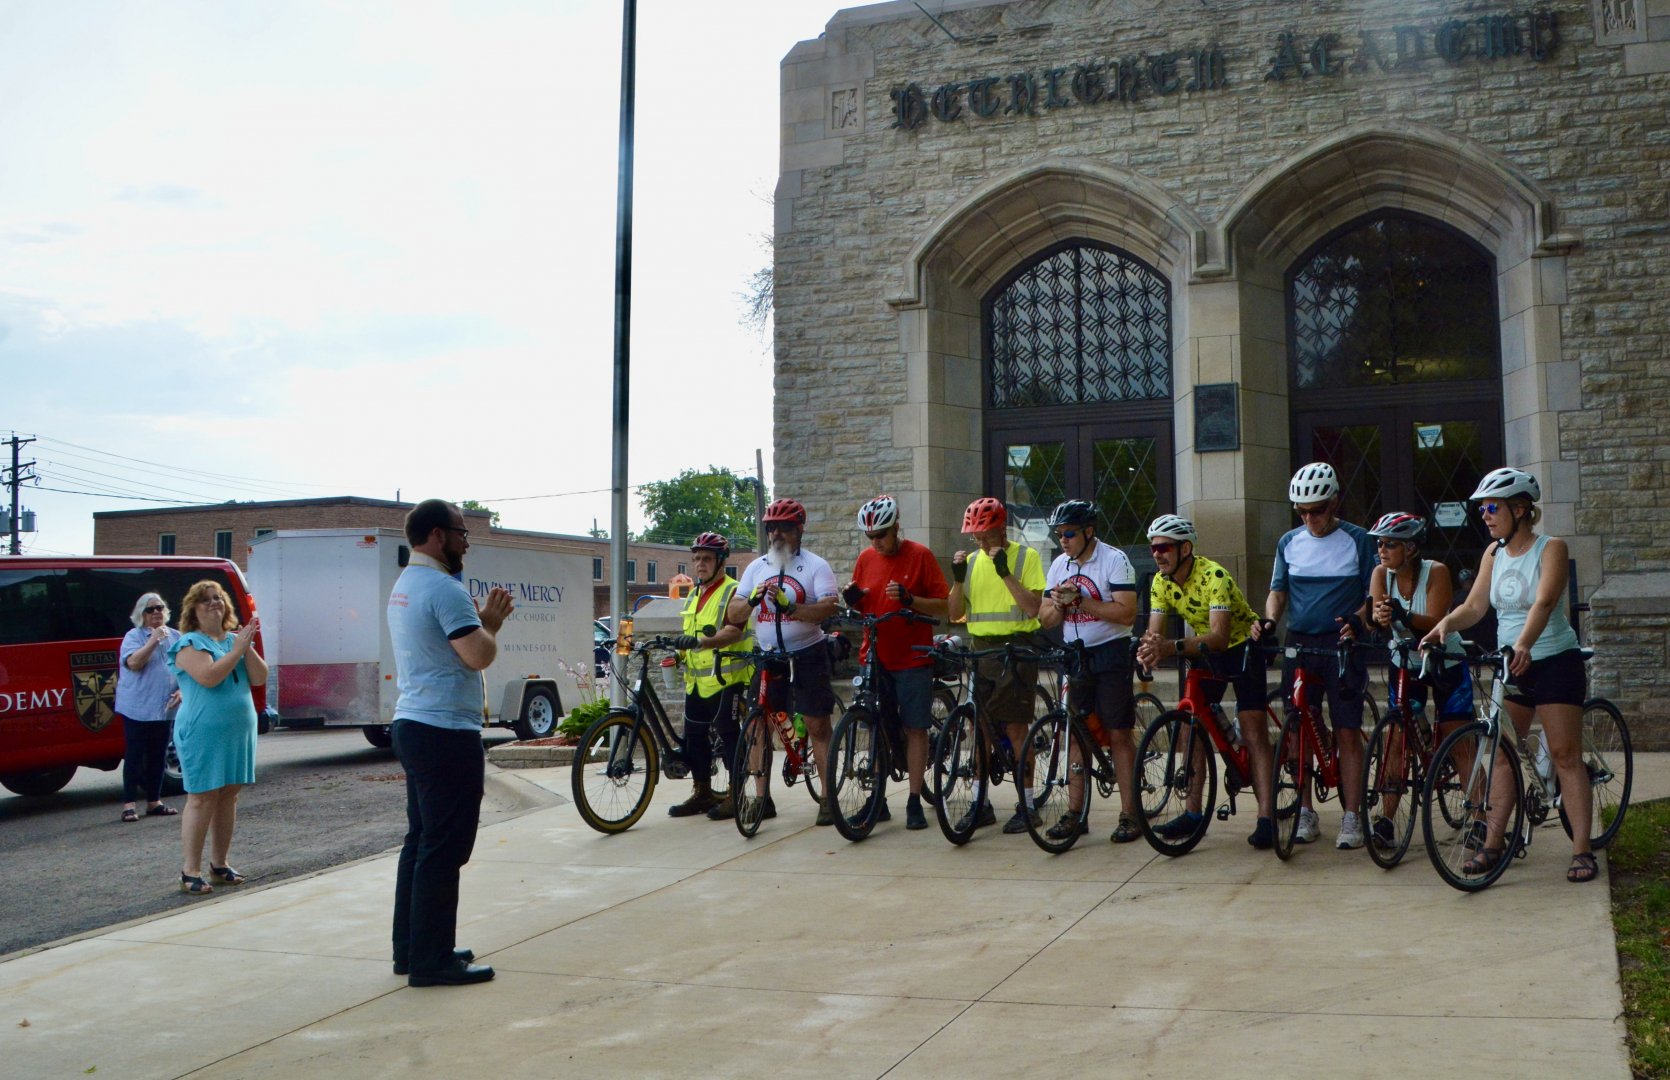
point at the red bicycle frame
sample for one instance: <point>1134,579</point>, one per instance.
<point>1238,759</point>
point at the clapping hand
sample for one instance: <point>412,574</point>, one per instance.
<point>498,609</point>
<point>246,633</point>
<point>159,634</point>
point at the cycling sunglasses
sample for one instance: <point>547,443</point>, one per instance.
<point>1160,549</point>
<point>1311,511</point>
<point>1384,544</point>
<point>872,537</point>
<point>778,526</point>
<point>1066,534</point>
<point>1489,508</point>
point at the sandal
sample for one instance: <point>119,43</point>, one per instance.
<point>225,875</point>
<point>130,815</point>
<point>161,810</point>
<point>195,886</point>
<point>1584,867</point>
<point>1482,863</point>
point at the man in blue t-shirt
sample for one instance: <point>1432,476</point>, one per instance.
<point>442,642</point>
<point>1321,582</point>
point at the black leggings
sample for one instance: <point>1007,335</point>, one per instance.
<point>699,713</point>
<point>142,764</point>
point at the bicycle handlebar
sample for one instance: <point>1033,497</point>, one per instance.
<point>866,620</point>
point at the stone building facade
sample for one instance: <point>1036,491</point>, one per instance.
<point>1157,255</point>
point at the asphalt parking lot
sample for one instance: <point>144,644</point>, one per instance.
<point>322,798</point>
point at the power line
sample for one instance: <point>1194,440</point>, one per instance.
<point>170,472</point>
<point>135,498</point>
<point>194,472</point>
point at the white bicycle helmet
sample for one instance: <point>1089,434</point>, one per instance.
<point>1172,527</point>
<point>879,513</point>
<point>1316,482</point>
<point>1507,482</point>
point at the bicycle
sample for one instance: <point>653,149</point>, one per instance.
<point>1399,755</point>
<point>1306,753</point>
<point>971,755</point>
<point>860,762</point>
<point>1476,747</point>
<point>1174,757</point>
<point>621,756</point>
<point>764,730</point>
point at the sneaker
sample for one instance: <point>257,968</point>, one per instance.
<point>982,817</point>
<point>1383,833</point>
<point>769,810</point>
<point>1309,827</point>
<point>826,816</point>
<point>1179,827</point>
<point>914,817</point>
<point>1128,829</point>
<point>1350,832</point>
<point>724,811</point>
<point>1018,823</point>
<point>884,814</point>
<point>1263,835</point>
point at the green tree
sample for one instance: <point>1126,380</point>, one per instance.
<point>471,504</point>
<point>714,500</point>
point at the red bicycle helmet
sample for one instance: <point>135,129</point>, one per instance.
<point>786,510</point>
<point>984,514</point>
<point>712,541</point>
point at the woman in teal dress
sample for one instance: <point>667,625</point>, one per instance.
<point>214,733</point>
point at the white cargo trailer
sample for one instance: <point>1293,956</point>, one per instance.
<point>323,596</point>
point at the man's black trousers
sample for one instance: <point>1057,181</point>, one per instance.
<point>444,776</point>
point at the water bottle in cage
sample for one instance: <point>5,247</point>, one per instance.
<point>1545,763</point>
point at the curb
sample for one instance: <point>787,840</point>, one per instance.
<point>523,756</point>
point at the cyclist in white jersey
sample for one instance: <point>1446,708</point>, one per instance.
<point>1523,577</point>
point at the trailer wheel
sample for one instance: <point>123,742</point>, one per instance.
<point>37,781</point>
<point>539,717</point>
<point>378,735</point>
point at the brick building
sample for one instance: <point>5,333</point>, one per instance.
<point>227,529</point>
<point>1159,255</point>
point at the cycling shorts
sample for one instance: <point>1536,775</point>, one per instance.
<point>1250,689</point>
<point>1557,680</point>
<point>1454,690</point>
<point>1343,690</point>
<point>812,693</point>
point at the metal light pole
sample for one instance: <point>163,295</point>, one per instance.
<point>618,602</point>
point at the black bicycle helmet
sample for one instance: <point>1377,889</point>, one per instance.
<point>1073,512</point>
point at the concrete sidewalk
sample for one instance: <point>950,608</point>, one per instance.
<point>680,950</point>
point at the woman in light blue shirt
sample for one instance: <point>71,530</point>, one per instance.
<point>1523,576</point>
<point>217,663</point>
<point>145,690</point>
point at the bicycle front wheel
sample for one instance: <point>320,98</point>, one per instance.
<point>1175,756</point>
<point>614,772</point>
<point>1294,771</point>
<point>856,779</point>
<point>1057,757</point>
<point>959,776</point>
<point>1148,709</point>
<point>751,787</point>
<point>1608,757</point>
<point>1490,787</point>
<point>1391,791</point>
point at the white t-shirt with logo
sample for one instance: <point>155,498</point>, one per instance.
<point>807,579</point>
<point>1106,572</point>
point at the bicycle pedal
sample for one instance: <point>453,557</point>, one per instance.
<point>1223,813</point>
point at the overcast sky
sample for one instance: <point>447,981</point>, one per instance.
<point>354,248</point>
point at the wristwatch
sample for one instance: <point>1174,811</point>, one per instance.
<point>1178,646</point>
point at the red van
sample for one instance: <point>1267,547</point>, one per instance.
<point>61,622</point>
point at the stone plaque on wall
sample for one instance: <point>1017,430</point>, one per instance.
<point>1620,22</point>
<point>1217,417</point>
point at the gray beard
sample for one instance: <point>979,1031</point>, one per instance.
<point>778,553</point>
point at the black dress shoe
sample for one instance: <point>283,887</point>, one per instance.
<point>459,974</point>
<point>464,955</point>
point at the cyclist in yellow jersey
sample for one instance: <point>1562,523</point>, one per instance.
<point>1212,604</point>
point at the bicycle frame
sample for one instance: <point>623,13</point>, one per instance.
<point>1237,759</point>
<point>795,763</point>
<point>1313,738</point>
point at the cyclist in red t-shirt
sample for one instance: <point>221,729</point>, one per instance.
<point>894,573</point>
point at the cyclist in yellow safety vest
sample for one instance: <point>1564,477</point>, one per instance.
<point>1003,591</point>
<point>713,676</point>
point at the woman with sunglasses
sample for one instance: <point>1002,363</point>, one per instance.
<point>1523,577</point>
<point>216,662</point>
<point>145,691</point>
<point>1409,595</point>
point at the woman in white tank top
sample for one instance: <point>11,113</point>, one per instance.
<point>1523,577</point>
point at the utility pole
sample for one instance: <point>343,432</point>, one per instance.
<point>14,481</point>
<point>759,502</point>
<point>623,345</point>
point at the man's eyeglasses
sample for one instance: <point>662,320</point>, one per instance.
<point>1489,508</point>
<point>154,608</point>
<point>778,526</point>
<point>459,529</point>
<point>1066,534</point>
<point>1161,549</point>
<point>876,535</point>
<point>1311,511</point>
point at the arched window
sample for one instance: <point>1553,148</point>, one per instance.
<point>1394,372</point>
<point>1078,391</point>
<point>1083,323</point>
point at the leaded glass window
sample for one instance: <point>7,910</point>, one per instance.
<point>1392,300</point>
<point>1084,323</point>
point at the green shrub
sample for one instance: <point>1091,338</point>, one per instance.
<point>582,717</point>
